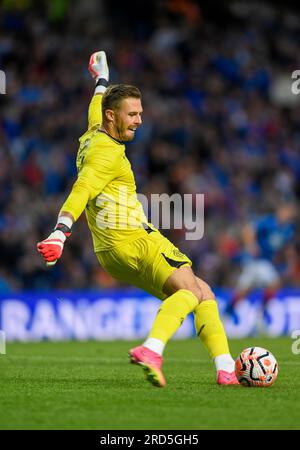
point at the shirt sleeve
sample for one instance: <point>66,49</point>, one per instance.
<point>95,111</point>
<point>99,168</point>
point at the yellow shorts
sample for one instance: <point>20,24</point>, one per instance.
<point>145,263</point>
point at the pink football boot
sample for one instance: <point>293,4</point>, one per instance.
<point>151,363</point>
<point>224,377</point>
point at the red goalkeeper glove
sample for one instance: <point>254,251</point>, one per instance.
<point>51,248</point>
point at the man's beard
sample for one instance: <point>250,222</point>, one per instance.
<point>125,137</point>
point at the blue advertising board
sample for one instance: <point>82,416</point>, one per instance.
<point>128,314</point>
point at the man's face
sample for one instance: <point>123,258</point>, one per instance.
<point>127,118</point>
<point>286,213</point>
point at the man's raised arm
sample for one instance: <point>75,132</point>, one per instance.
<point>51,248</point>
<point>98,68</point>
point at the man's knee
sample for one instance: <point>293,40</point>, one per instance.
<point>194,289</point>
<point>184,278</point>
<point>206,292</point>
<point>201,290</point>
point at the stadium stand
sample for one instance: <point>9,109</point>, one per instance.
<point>219,119</point>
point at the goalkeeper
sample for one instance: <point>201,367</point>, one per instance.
<point>126,245</point>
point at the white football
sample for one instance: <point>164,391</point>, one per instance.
<point>256,366</point>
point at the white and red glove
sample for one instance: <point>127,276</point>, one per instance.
<point>51,248</point>
<point>98,68</point>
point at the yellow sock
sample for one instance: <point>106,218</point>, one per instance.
<point>210,328</point>
<point>172,313</point>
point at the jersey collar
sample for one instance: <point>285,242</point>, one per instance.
<point>116,140</point>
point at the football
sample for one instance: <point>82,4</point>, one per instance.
<point>256,366</point>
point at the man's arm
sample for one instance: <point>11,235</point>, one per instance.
<point>98,170</point>
<point>51,248</point>
<point>98,68</point>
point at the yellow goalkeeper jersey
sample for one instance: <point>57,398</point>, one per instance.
<point>105,187</point>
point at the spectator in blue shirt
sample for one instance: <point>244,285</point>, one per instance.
<point>264,240</point>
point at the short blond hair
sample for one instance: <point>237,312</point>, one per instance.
<point>115,93</point>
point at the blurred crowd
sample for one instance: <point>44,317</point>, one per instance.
<point>214,123</point>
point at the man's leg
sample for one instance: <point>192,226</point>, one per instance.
<point>187,294</point>
<point>210,330</point>
<point>183,297</point>
<point>207,322</point>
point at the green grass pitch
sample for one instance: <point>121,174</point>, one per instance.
<point>90,385</point>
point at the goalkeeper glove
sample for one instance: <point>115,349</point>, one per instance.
<point>51,248</point>
<point>98,68</point>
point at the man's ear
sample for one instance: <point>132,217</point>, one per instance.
<point>110,115</point>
